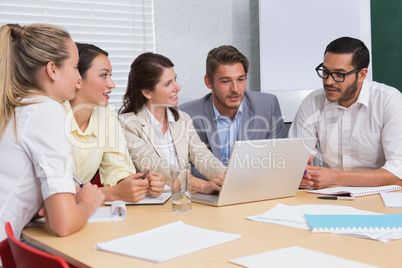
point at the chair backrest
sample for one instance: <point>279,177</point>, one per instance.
<point>6,255</point>
<point>26,256</point>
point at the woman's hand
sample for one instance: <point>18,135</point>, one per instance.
<point>156,183</point>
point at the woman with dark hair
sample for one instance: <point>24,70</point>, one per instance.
<point>38,70</point>
<point>157,133</point>
<point>96,135</point>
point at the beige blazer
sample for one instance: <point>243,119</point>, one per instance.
<point>140,138</point>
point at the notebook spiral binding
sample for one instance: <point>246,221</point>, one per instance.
<point>355,229</point>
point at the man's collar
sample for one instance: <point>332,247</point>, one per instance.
<point>219,116</point>
<point>363,97</point>
<point>364,94</point>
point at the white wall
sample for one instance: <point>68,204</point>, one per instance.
<point>290,53</point>
<point>186,30</point>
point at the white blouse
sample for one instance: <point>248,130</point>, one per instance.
<point>34,165</point>
<point>164,142</point>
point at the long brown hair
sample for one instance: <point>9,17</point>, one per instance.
<point>24,50</point>
<point>146,71</point>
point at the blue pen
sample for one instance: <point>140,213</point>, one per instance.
<point>77,181</point>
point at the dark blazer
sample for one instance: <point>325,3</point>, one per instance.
<point>261,119</point>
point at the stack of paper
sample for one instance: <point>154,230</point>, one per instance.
<point>293,216</point>
<point>380,227</point>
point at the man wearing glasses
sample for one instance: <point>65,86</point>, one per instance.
<point>358,123</point>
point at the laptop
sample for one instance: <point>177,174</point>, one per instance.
<point>260,170</point>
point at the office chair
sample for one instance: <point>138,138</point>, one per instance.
<point>20,255</point>
<point>6,255</point>
<point>96,180</point>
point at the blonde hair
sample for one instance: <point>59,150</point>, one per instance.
<point>24,51</point>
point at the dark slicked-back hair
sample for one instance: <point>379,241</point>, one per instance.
<point>346,45</point>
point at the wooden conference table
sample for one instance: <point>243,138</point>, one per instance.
<point>257,237</point>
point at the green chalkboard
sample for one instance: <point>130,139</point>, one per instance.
<point>386,34</point>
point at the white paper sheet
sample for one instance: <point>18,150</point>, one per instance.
<point>116,212</point>
<point>292,256</point>
<point>166,242</point>
<point>383,237</point>
<point>149,200</point>
<point>393,200</point>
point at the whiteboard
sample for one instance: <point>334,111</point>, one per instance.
<point>293,37</point>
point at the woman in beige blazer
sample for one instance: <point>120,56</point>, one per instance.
<point>157,133</point>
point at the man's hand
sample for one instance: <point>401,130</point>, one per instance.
<point>306,179</point>
<point>208,187</point>
<point>322,177</point>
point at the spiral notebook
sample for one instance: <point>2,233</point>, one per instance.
<point>166,242</point>
<point>354,223</point>
<point>356,191</point>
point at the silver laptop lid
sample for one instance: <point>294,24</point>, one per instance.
<point>265,169</point>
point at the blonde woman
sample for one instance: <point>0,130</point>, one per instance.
<point>38,70</point>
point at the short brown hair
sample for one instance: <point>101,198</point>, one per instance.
<point>224,55</point>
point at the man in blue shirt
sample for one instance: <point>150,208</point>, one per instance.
<point>230,112</point>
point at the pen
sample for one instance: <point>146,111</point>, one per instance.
<point>77,181</point>
<point>336,197</point>
<point>146,171</point>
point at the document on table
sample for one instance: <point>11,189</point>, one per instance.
<point>149,200</point>
<point>393,200</point>
<point>385,227</point>
<point>166,242</point>
<point>292,256</point>
<point>293,216</point>
<point>352,223</point>
<point>116,212</point>
<point>356,191</point>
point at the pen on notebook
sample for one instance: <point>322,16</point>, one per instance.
<point>336,197</point>
<point>146,171</point>
<point>77,181</point>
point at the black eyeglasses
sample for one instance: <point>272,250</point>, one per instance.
<point>338,77</point>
